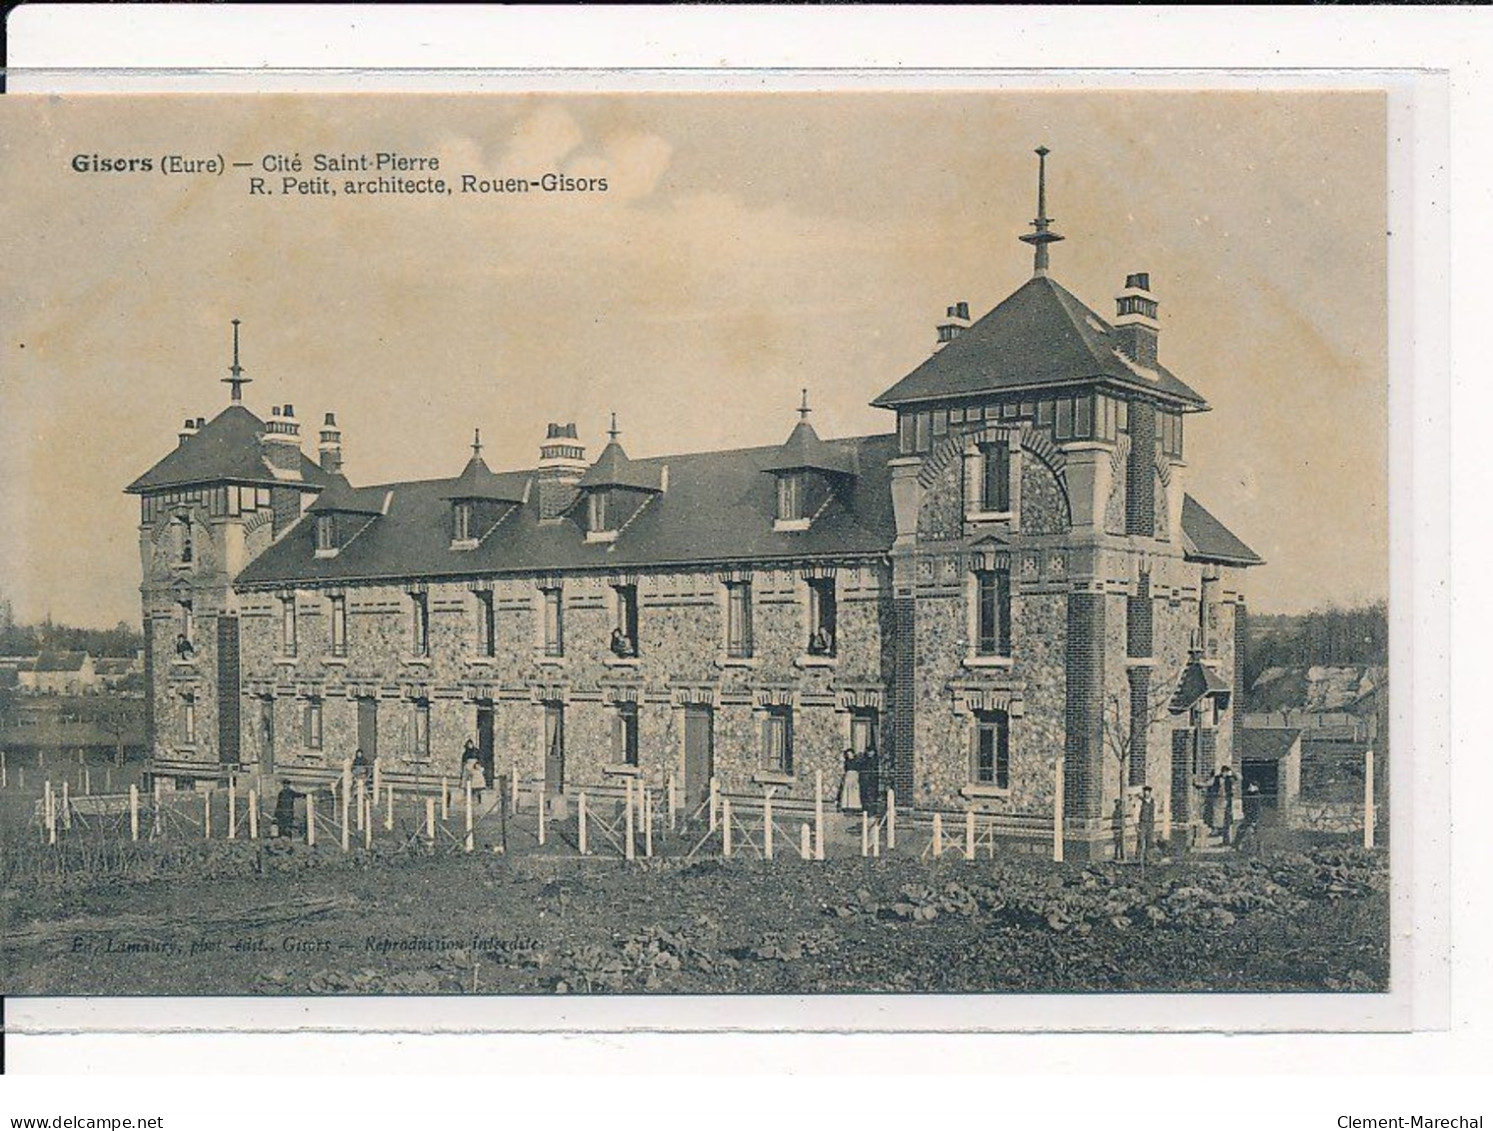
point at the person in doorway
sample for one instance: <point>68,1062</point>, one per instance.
<point>1227,799</point>
<point>360,772</point>
<point>850,784</point>
<point>621,643</point>
<point>1117,828</point>
<point>1147,825</point>
<point>870,767</point>
<point>1254,803</point>
<point>471,771</point>
<point>285,812</point>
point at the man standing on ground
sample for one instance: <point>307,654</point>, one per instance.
<point>1147,833</point>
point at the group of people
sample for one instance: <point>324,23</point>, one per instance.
<point>1231,812</point>
<point>860,787</point>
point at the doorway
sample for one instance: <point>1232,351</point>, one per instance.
<point>485,743</point>
<point>554,748</point>
<point>699,753</point>
<point>368,727</point>
<point>865,746</point>
<point>266,735</point>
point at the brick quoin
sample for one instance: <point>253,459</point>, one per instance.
<point>1140,722</point>
<point>1241,651</point>
<point>1140,471</point>
<point>902,700</point>
<point>228,691</point>
<point>1083,755</point>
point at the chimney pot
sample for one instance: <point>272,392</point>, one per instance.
<point>1135,322</point>
<point>331,421</point>
<point>187,423</point>
<point>289,411</point>
<point>1141,281</point>
<point>201,420</point>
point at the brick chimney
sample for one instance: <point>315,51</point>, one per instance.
<point>281,442</point>
<point>955,322</point>
<point>1136,323</point>
<point>562,462</point>
<point>188,430</point>
<point>330,448</point>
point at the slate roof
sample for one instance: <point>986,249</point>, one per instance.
<point>476,481</point>
<point>59,662</point>
<point>718,507</point>
<point>225,448</point>
<point>341,497</point>
<point>1205,539</point>
<point>613,468</point>
<point>1262,744</point>
<point>805,451</point>
<point>1041,336</point>
<point>1198,679</point>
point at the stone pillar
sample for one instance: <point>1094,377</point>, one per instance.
<point>1084,746</point>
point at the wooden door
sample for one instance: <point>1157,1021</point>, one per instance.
<point>368,727</point>
<point>699,754</point>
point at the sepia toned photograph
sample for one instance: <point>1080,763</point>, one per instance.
<point>859,542</point>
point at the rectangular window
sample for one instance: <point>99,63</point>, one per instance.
<point>554,622</point>
<point>1083,418</point>
<point>1010,409</point>
<point>487,624</point>
<point>461,522</point>
<point>420,736</point>
<point>188,625</point>
<point>907,440</point>
<point>625,631</point>
<point>189,718</point>
<point>597,504</point>
<point>991,757</point>
<point>1028,409</point>
<point>940,422</point>
<point>1122,415</point>
<point>956,416</point>
<point>287,625</point>
<point>235,495</point>
<point>924,440</point>
<point>311,724</point>
<point>739,619</point>
<point>777,740</point>
<point>1044,414</point>
<point>326,532</point>
<point>995,477</point>
<point>419,624</point>
<point>822,616</point>
<point>339,625</point>
<point>993,613</point>
<point>261,496</point>
<point>625,734</point>
<point>1064,427</point>
<point>790,496</point>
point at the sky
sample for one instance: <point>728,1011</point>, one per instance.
<point>749,246</point>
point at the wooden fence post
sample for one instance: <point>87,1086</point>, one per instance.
<point>4,771</point>
<point>67,808</point>
<point>430,819</point>
<point>876,839</point>
<point>805,841</point>
<point>253,814</point>
<point>87,782</point>
<point>207,815</point>
<point>767,824</point>
<point>232,806</point>
<point>470,841</point>
<point>311,821</point>
<point>1057,810</point>
<point>937,833</point>
<point>580,815</point>
<point>513,786</point>
<point>50,808</point>
<point>648,824</point>
<point>445,800</point>
<point>891,819</point>
<point>865,833</point>
<point>818,814</point>
<point>345,800</point>
<point>108,777</point>
<point>543,814</point>
<point>673,804</point>
<point>726,826</point>
<point>20,777</point>
<point>1368,799</point>
<point>134,813</point>
<point>378,778</point>
<point>627,849</point>
<point>969,834</point>
<point>367,803</point>
<point>389,811</point>
<point>155,820</point>
<point>714,801</point>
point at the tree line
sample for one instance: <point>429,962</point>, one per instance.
<point>1331,636</point>
<point>122,641</point>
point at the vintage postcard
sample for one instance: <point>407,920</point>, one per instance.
<point>890,542</point>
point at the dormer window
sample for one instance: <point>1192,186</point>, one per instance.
<point>326,534</point>
<point>791,497</point>
<point>461,521</point>
<point>598,504</point>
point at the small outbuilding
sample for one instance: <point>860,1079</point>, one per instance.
<point>1271,759</point>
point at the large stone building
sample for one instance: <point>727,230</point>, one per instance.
<point>1012,578</point>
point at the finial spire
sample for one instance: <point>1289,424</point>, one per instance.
<point>1043,235</point>
<point>803,407</point>
<point>236,379</point>
<point>476,443</point>
<point>613,432</point>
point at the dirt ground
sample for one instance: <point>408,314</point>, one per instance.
<point>282,918</point>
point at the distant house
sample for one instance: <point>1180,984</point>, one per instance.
<point>60,673</point>
<point>1345,701</point>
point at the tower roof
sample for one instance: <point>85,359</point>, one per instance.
<point>614,469</point>
<point>226,448</point>
<point>477,481</point>
<point>1039,337</point>
<point>805,451</point>
<point>341,497</point>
